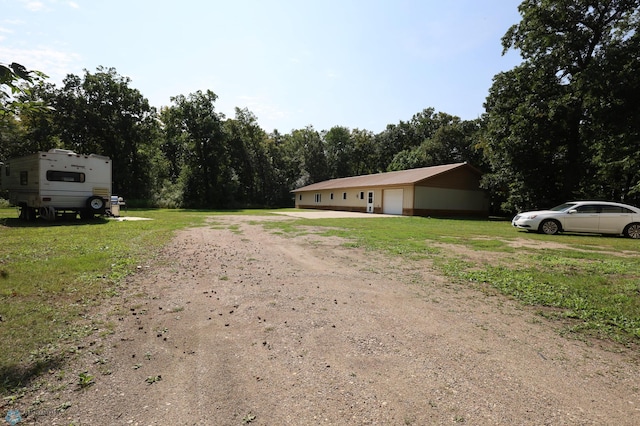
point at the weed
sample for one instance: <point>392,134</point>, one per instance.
<point>248,418</point>
<point>85,380</point>
<point>153,379</point>
<point>64,406</point>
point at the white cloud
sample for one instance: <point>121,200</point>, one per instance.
<point>73,5</point>
<point>331,74</point>
<point>54,63</point>
<point>13,21</point>
<point>34,5</point>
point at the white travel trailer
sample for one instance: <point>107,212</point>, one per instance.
<point>56,183</point>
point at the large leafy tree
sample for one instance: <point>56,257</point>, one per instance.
<point>545,125</point>
<point>339,151</point>
<point>253,172</point>
<point>311,151</point>
<point>18,102</point>
<point>16,80</point>
<point>195,131</point>
<point>284,155</point>
<point>363,159</point>
<point>100,113</point>
<point>448,140</point>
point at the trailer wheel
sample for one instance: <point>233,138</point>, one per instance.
<point>96,205</point>
<point>48,213</point>
<point>27,213</point>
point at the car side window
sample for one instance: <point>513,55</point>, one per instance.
<point>588,208</point>
<point>614,209</point>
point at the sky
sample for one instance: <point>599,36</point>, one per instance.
<point>362,64</point>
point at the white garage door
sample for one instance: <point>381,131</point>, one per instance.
<point>392,201</point>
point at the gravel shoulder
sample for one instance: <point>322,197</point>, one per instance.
<point>235,325</point>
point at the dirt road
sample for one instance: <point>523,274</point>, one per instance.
<point>235,325</point>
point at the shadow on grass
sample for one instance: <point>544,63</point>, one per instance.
<point>40,223</point>
<point>14,377</point>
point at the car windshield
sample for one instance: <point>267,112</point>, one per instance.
<point>562,207</point>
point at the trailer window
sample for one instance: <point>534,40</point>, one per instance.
<point>24,178</point>
<point>59,176</point>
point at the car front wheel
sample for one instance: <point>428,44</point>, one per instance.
<point>549,227</point>
<point>632,231</point>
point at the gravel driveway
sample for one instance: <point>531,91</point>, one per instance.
<point>236,325</point>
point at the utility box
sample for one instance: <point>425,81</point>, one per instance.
<point>116,202</point>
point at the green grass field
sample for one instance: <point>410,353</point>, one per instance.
<point>52,276</point>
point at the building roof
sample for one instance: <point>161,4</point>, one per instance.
<point>403,177</point>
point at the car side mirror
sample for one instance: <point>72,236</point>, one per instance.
<point>572,211</point>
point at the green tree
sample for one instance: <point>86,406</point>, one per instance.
<point>526,141</point>
<point>102,114</point>
<point>11,136</point>
<point>393,139</point>
<point>18,103</point>
<point>339,151</point>
<point>311,150</point>
<point>613,115</point>
<point>363,159</point>
<point>544,117</point>
<point>197,129</point>
<point>15,80</point>
<point>447,139</point>
<point>285,157</point>
<point>253,172</point>
<point>38,124</point>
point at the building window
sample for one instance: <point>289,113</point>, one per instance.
<point>362,195</point>
<point>318,198</point>
<point>24,178</point>
<point>300,197</point>
<point>344,195</point>
<point>331,196</point>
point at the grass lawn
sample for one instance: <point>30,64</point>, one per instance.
<point>52,275</point>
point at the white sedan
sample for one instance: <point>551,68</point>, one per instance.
<point>596,217</point>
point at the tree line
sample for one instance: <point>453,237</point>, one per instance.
<point>562,125</point>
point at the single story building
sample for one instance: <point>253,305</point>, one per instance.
<point>445,191</point>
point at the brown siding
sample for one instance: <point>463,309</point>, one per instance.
<point>461,178</point>
<point>445,213</point>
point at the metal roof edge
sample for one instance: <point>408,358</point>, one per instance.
<point>336,183</point>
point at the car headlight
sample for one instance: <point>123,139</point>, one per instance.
<point>530,216</point>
